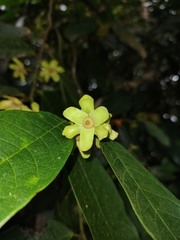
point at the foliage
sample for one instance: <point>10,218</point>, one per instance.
<point>125,55</point>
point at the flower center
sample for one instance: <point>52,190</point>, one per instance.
<point>51,70</point>
<point>88,122</point>
<point>21,70</point>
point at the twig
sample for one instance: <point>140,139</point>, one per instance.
<point>81,226</point>
<point>73,70</point>
<point>59,40</point>
<point>39,56</point>
<point>63,92</point>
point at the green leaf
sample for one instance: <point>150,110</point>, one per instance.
<point>9,3</point>
<point>54,231</point>
<point>156,207</point>
<point>7,90</point>
<point>128,38</point>
<point>156,132</point>
<point>33,151</point>
<point>7,30</point>
<point>165,171</point>
<point>13,47</point>
<point>100,201</point>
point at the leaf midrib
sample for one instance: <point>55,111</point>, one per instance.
<point>99,205</point>
<point>27,145</point>
<point>144,196</point>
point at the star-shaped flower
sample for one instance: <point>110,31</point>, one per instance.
<point>86,123</point>
<point>19,69</point>
<point>51,70</point>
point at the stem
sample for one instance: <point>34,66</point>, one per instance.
<point>39,56</point>
<point>73,70</point>
<point>63,92</point>
<point>59,40</point>
<point>81,226</point>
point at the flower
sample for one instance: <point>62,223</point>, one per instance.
<point>86,123</point>
<point>35,107</point>
<point>85,154</point>
<point>14,103</point>
<point>51,70</point>
<point>19,69</point>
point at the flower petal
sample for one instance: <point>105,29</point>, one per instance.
<point>42,73</point>
<point>13,66</point>
<point>22,77</point>
<point>19,63</point>
<point>46,78</point>
<point>25,108</point>
<point>35,106</point>
<point>45,64</point>
<point>71,131</point>
<point>86,138</point>
<point>60,69</point>
<point>97,143</point>
<point>83,154</point>
<point>53,64</point>
<point>113,135</point>
<point>55,76</point>
<point>87,104</point>
<point>99,115</point>
<point>16,74</point>
<point>74,115</point>
<point>101,132</point>
<point>108,127</point>
<point>4,104</point>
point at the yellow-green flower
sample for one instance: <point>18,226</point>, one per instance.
<point>51,70</point>
<point>19,69</point>
<point>85,154</point>
<point>86,123</point>
<point>14,103</point>
<point>35,107</point>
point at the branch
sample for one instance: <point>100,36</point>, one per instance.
<point>39,56</point>
<point>73,70</point>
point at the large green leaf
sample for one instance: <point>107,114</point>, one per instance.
<point>100,201</point>
<point>54,231</point>
<point>157,208</point>
<point>33,151</point>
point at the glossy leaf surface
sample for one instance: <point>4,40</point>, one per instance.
<point>157,208</point>
<point>100,201</point>
<point>32,153</point>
